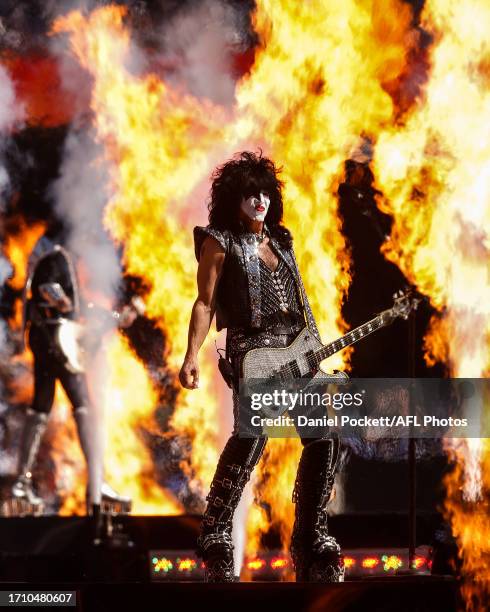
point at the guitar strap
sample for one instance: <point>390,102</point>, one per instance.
<point>310,319</point>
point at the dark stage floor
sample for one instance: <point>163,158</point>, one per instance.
<point>427,594</point>
<point>56,554</point>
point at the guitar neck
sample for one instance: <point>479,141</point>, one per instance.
<point>354,336</point>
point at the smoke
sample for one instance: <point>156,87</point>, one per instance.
<point>11,114</point>
<point>199,44</point>
<point>80,195</point>
<point>197,41</point>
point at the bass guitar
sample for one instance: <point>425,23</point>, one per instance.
<point>76,342</point>
<point>302,358</point>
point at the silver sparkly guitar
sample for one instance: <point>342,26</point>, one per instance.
<point>302,358</point>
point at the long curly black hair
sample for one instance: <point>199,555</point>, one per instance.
<point>244,175</point>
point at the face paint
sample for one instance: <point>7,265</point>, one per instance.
<point>256,208</point>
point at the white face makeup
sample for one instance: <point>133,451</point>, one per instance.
<point>256,208</point>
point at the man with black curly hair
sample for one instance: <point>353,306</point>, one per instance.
<point>249,278</point>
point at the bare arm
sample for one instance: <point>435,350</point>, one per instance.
<point>209,271</point>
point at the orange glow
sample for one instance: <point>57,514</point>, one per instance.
<point>186,565</point>
<point>18,246</point>
<point>419,562</point>
<point>129,400</point>
<point>70,477</point>
<point>279,562</point>
<point>370,562</point>
<point>163,565</point>
<point>255,564</point>
<point>349,562</point>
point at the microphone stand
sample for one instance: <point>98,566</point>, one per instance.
<point>412,454</point>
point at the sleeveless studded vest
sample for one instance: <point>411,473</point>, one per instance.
<point>238,295</point>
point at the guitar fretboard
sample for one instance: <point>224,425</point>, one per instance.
<point>351,337</point>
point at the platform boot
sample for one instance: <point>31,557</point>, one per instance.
<point>215,546</point>
<point>316,555</point>
<point>34,428</point>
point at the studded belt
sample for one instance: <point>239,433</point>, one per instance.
<point>284,329</point>
<point>239,341</point>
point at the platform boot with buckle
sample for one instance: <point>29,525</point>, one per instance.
<point>34,428</point>
<point>215,545</point>
<point>316,554</point>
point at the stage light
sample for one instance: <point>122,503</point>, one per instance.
<point>172,565</point>
<point>186,565</point>
<point>278,563</point>
<point>162,564</point>
<point>275,565</point>
<point>255,564</point>
<point>419,562</point>
<point>391,562</point>
<point>370,562</point>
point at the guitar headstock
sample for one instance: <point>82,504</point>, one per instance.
<point>403,304</point>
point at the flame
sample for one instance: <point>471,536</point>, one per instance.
<point>18,245</point>
<point>316,87</point>
<point>128,392</point>
<point>433,170</point>
<point>127,401</point>
<point>158,143</point>
<point>65,451</point>
<point>319,83</point>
